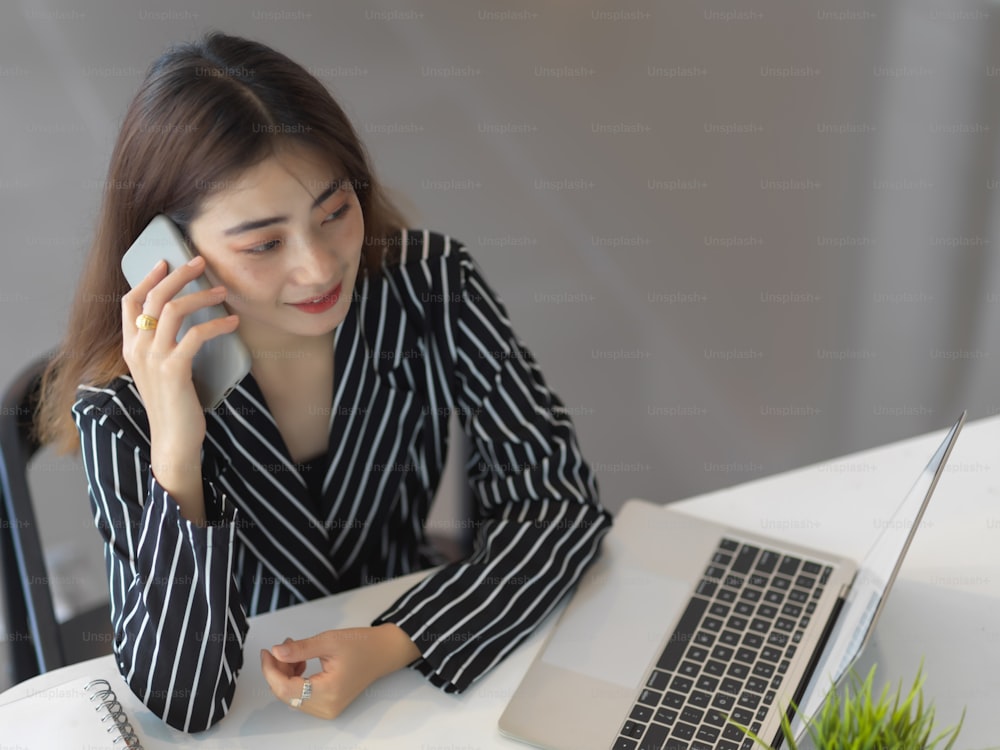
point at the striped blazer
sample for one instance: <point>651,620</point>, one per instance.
<point>421,340</point>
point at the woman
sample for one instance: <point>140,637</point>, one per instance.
<point>316,473</point>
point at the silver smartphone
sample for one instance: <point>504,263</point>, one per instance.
<point>221,363</point>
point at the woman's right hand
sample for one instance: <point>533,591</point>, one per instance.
<point>161,368</point>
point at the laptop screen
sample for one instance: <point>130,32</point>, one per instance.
<point>872,583</point>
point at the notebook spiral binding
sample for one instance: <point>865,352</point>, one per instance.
<point>105,699</point>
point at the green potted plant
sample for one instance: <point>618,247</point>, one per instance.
<point>858,720</point>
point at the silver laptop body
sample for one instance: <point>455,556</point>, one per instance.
<point>598,663</point>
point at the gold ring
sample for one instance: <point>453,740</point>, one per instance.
<point>145,322</point>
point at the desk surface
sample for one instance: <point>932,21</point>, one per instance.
<point>945,609</point>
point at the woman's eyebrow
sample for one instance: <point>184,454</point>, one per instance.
<point>247,226</point>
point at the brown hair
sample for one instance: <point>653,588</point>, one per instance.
<point>205,112</point>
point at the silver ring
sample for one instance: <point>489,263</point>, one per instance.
<point>306,693</point>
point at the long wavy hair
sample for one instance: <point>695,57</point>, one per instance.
<point>205,112</point>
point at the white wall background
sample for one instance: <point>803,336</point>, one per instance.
<point>739,237</point>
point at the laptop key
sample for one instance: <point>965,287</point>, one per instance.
<point>722,653</point>
<point>789,565</point>
<point>760,626</point>
<point>767,610</point>
<point>649,697</point>
<point>671,655</point>
<point>751,595</point>
<point>699,699</point>
<point>683,731</point>
<point>632,729</point>
<point>623,743</point>
<point>716,668</point>
<point>729,638</point>
<point>726,595</point>
<point>718,610</point>
<point>697,653</point>
<point>767,560</point>
<point>738,670</point>
<point>729,544</point>
<point>726,745</point>
<point>777,639</point>
<point>812,568</point>
<point>771,654</point>
<point>753,640</point>
<point>641,713</point>
<point>732,733</point>
<point>715,718</point>
<point>729,685</point>
<point>665,716</point>
<point>773,597</point>
<point>748,700</point>
<point>715,572</point>
<point>673,700</point>
<point>707,734</point>
<point>682,684</point>
<point>742,716</point>
<point>654,738</point>
<point>692,715</point>
<point>744,558</point>
<point>658,680</point>
<point>743,609</point>
<point>723,702</point>
<point>707,683</point>
<point>706,587</point>
<point>711,623</point>
<point>805,582</point>
<point>688,668</point>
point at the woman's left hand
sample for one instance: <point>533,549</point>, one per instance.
<point>351,660</point>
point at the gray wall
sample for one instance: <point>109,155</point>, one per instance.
<point>738,237</point>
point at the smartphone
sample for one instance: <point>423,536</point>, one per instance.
<point>221,363</point>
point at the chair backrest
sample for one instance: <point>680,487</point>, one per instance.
<point>38,641</point>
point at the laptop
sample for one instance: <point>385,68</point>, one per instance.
<point>684,630</point>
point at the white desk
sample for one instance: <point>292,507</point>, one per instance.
<point>945,609</point>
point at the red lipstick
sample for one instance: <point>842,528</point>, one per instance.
<point>320,304</point>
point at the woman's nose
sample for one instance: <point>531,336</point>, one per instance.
<point>314,262</point>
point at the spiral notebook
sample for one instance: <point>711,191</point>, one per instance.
<point>81,713</point>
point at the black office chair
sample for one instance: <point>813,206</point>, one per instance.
<point>39,643</point>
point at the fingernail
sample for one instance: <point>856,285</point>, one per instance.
<point>194,261</point>
<point>280,651</point>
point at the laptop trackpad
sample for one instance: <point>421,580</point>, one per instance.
<point>612,626</point>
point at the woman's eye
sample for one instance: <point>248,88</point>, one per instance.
<point>338,213</point>
<point>263,248</point>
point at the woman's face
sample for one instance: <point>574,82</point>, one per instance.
<point>285,240</point>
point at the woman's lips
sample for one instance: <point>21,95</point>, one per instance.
<point>321,304</point>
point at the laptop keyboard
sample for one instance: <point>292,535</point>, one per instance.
<point>729,653</point>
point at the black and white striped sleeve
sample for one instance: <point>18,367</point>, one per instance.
<point>179,624</point>
<point>539,520</point>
